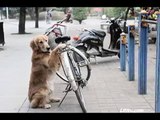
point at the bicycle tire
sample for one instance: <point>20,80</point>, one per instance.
<point>80,98</point>
<point>88,70</point>
<point>78,58</point>
<point>78,92</point>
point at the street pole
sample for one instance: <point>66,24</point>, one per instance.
<point>7,13</point>
<point>157,81</point>
<point>142,54</point>
<point>131,49</point>
<point>123,52</point>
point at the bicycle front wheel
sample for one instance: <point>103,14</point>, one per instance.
<point>80,98</point>
<point>78,91</point>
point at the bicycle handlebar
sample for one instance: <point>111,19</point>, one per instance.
<point>59,23</point>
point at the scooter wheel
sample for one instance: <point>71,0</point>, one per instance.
<point>118,55</point>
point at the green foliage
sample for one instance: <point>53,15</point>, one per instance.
<point>114,11</point>
<point>80,13</point>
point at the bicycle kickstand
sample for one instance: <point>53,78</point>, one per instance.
<point>67,89</point>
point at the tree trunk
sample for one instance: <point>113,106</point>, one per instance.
<point>125,19</point>
<point>37,17</point>
<point>44,8</point>
<point>22,19</point>
<point>80,21</point>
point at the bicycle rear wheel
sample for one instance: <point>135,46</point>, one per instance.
<point>84,68</point>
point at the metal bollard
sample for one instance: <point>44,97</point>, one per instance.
<point>157,80</point>
<point>142,54</point>
<point>123,52</point>
<point>131,49</point>
<point>1,34</point>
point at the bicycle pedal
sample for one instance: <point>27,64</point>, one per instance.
<point>83,85</point>
<point>84,81</point>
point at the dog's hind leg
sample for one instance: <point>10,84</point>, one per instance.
<point>52,98</point>
<point>44,102</point>
<point>41,100</point>
<point>34,103</point>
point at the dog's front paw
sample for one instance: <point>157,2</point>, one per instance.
<point>61,46</point>
<point>47,106</point>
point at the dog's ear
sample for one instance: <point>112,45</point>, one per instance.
<point>45,37</point>
<point>33,45</point>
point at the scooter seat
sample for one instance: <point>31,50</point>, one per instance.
<point>99,33</point>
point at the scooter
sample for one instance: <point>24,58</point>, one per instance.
<point>90,42</point>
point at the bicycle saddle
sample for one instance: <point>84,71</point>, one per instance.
<point>62,39</point>
<point>99,33</point>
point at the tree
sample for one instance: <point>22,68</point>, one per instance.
<point>65,9</point>
<point>80,13</point>
<point>114,11</point>
<point>22,19</point>
<point>31,12</point>
<point>36,17</point>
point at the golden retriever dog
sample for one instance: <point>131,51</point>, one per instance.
<point>45,63</point>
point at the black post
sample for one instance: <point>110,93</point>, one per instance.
<point>1,34</point>
<point>37,17</point>
<point>22,19</point>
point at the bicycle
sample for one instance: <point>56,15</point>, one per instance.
<point>72,62</point>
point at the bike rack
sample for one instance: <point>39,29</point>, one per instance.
<point>142,57</point>
<point>157,80</point>
<point>150,21</point>
<point>157,76</point>
<point>142,54</point>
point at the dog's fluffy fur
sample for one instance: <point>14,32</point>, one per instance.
<point>45,63</point>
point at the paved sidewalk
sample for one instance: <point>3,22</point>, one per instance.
<point>108,89</point>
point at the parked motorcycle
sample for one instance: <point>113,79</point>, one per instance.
<point>90,42</point>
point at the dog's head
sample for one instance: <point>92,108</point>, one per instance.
<point>40,43</point>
